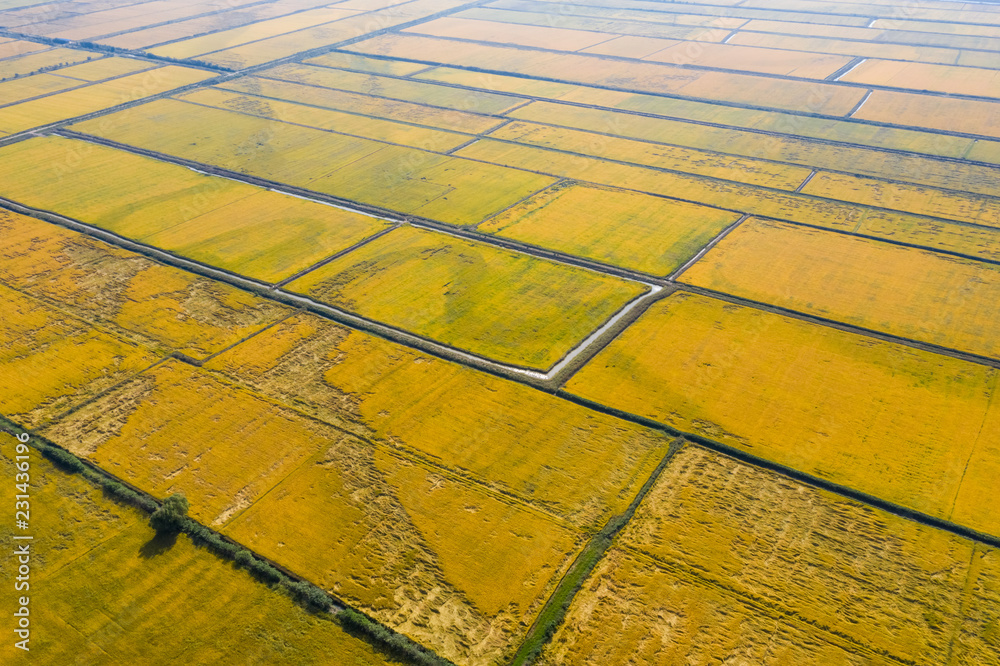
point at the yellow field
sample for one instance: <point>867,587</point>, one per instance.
<point>546,37</point>
<point>973,503</point>
<point>16,90</point>
<point>10,48</point>
<point>498,303</point>
<point>575,464</point>
<point>627,229</point>
<point>50,361</point>
<point>114,592</point>
<point>408,91</point>
<point>907,292</point>
<point>649,77</point>
<point>715,165</point>
<point>30,63</point>
<point>803,126</point>
<point>335,121</point>
<point>364,64</point>
<point>231,225</point>
<point>65,105</point>
<point>910,198</point>
<point>812,154</point>
<point>106,68</point>
<point>923,76</point>
<point>801,395</point>
<point>752,59</point>
<point>162,308</point>
<point>942,113</point>
<point>726,561</point>
<point>407,180</point>
<point>929,54</point>
<point>224,39</point>
<point>377,107</point>
<point>744,198</point>
<point>629,46</point>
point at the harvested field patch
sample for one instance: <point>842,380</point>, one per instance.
<point>884,419</point>
<point>907,292</point>
<point>501,304</point>
<point>628,229</point>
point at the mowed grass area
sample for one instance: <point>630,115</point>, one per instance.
<point>104,589</point>
<point>413,543</point>
<point>159,307</point>
<point>238,227</point>
<point>627,229</point>
<point>497,303</point>
<point>725,561</point>
<point>402,179</point>
<point>888,420</point>
<point>916,294</point>
<point>50,360</point>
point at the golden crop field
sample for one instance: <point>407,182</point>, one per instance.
<point>923,76</point>
<point>752,59</point>
<point>802,395</point>
<point>361,104</point>
<point>628,229</point>
<point>904,291</point>
<point>575,464</point>
<point>813,154</point>
<point>933,112</point>
<point>443,188</point>
<point>162,308</point>
<point>360,63</point>
<point>547,37</point>
<point>112,590</point>
<point>715,165</point>
<point>105,68</point>
<point>30,63</point>
<point>88,99</point>
<point>494,302</point>
<point>388,131</point>
<point>10,48</point>
<point>946,204</point>
<point>930,54</point>
<point>36,85</point>
<point>51,361</point>
<point>727,561</point>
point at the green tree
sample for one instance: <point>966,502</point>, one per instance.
<point>170,516</point>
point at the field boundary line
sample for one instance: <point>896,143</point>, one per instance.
<point>552,614</point>
<point>336,255</point>
<point>707,248</point>
<point>975,444</point>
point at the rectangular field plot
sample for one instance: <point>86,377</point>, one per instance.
<point>740,563</point>
<point>51,361</point>
<point>572,463</point>
<point>80,101</point>
<point>162,308</point>
<point>627,229</point>
<point>923,76</point>
<point>362,104</point>
<point>31,63</point>
<point>404,180</point>
<point>546,37</point>
<point>344,123</point>
<point>802,395</point>
<point>642,77</point>
<point>716,165</point>
<point>501,304</point>
<point>238,227</point>
<point>940,113</point>
<point>751,59</point>
<point>946,204</point>
<point>116,592</point>
<point>904,291</point>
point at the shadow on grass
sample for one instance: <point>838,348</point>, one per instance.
<point>159,544</point>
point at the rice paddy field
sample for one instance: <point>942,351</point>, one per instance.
<point>539,332</point>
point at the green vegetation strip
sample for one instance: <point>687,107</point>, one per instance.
<point>555,608</point>
<point>310,597</point>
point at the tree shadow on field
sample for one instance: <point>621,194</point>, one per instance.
<point>159,544</point>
